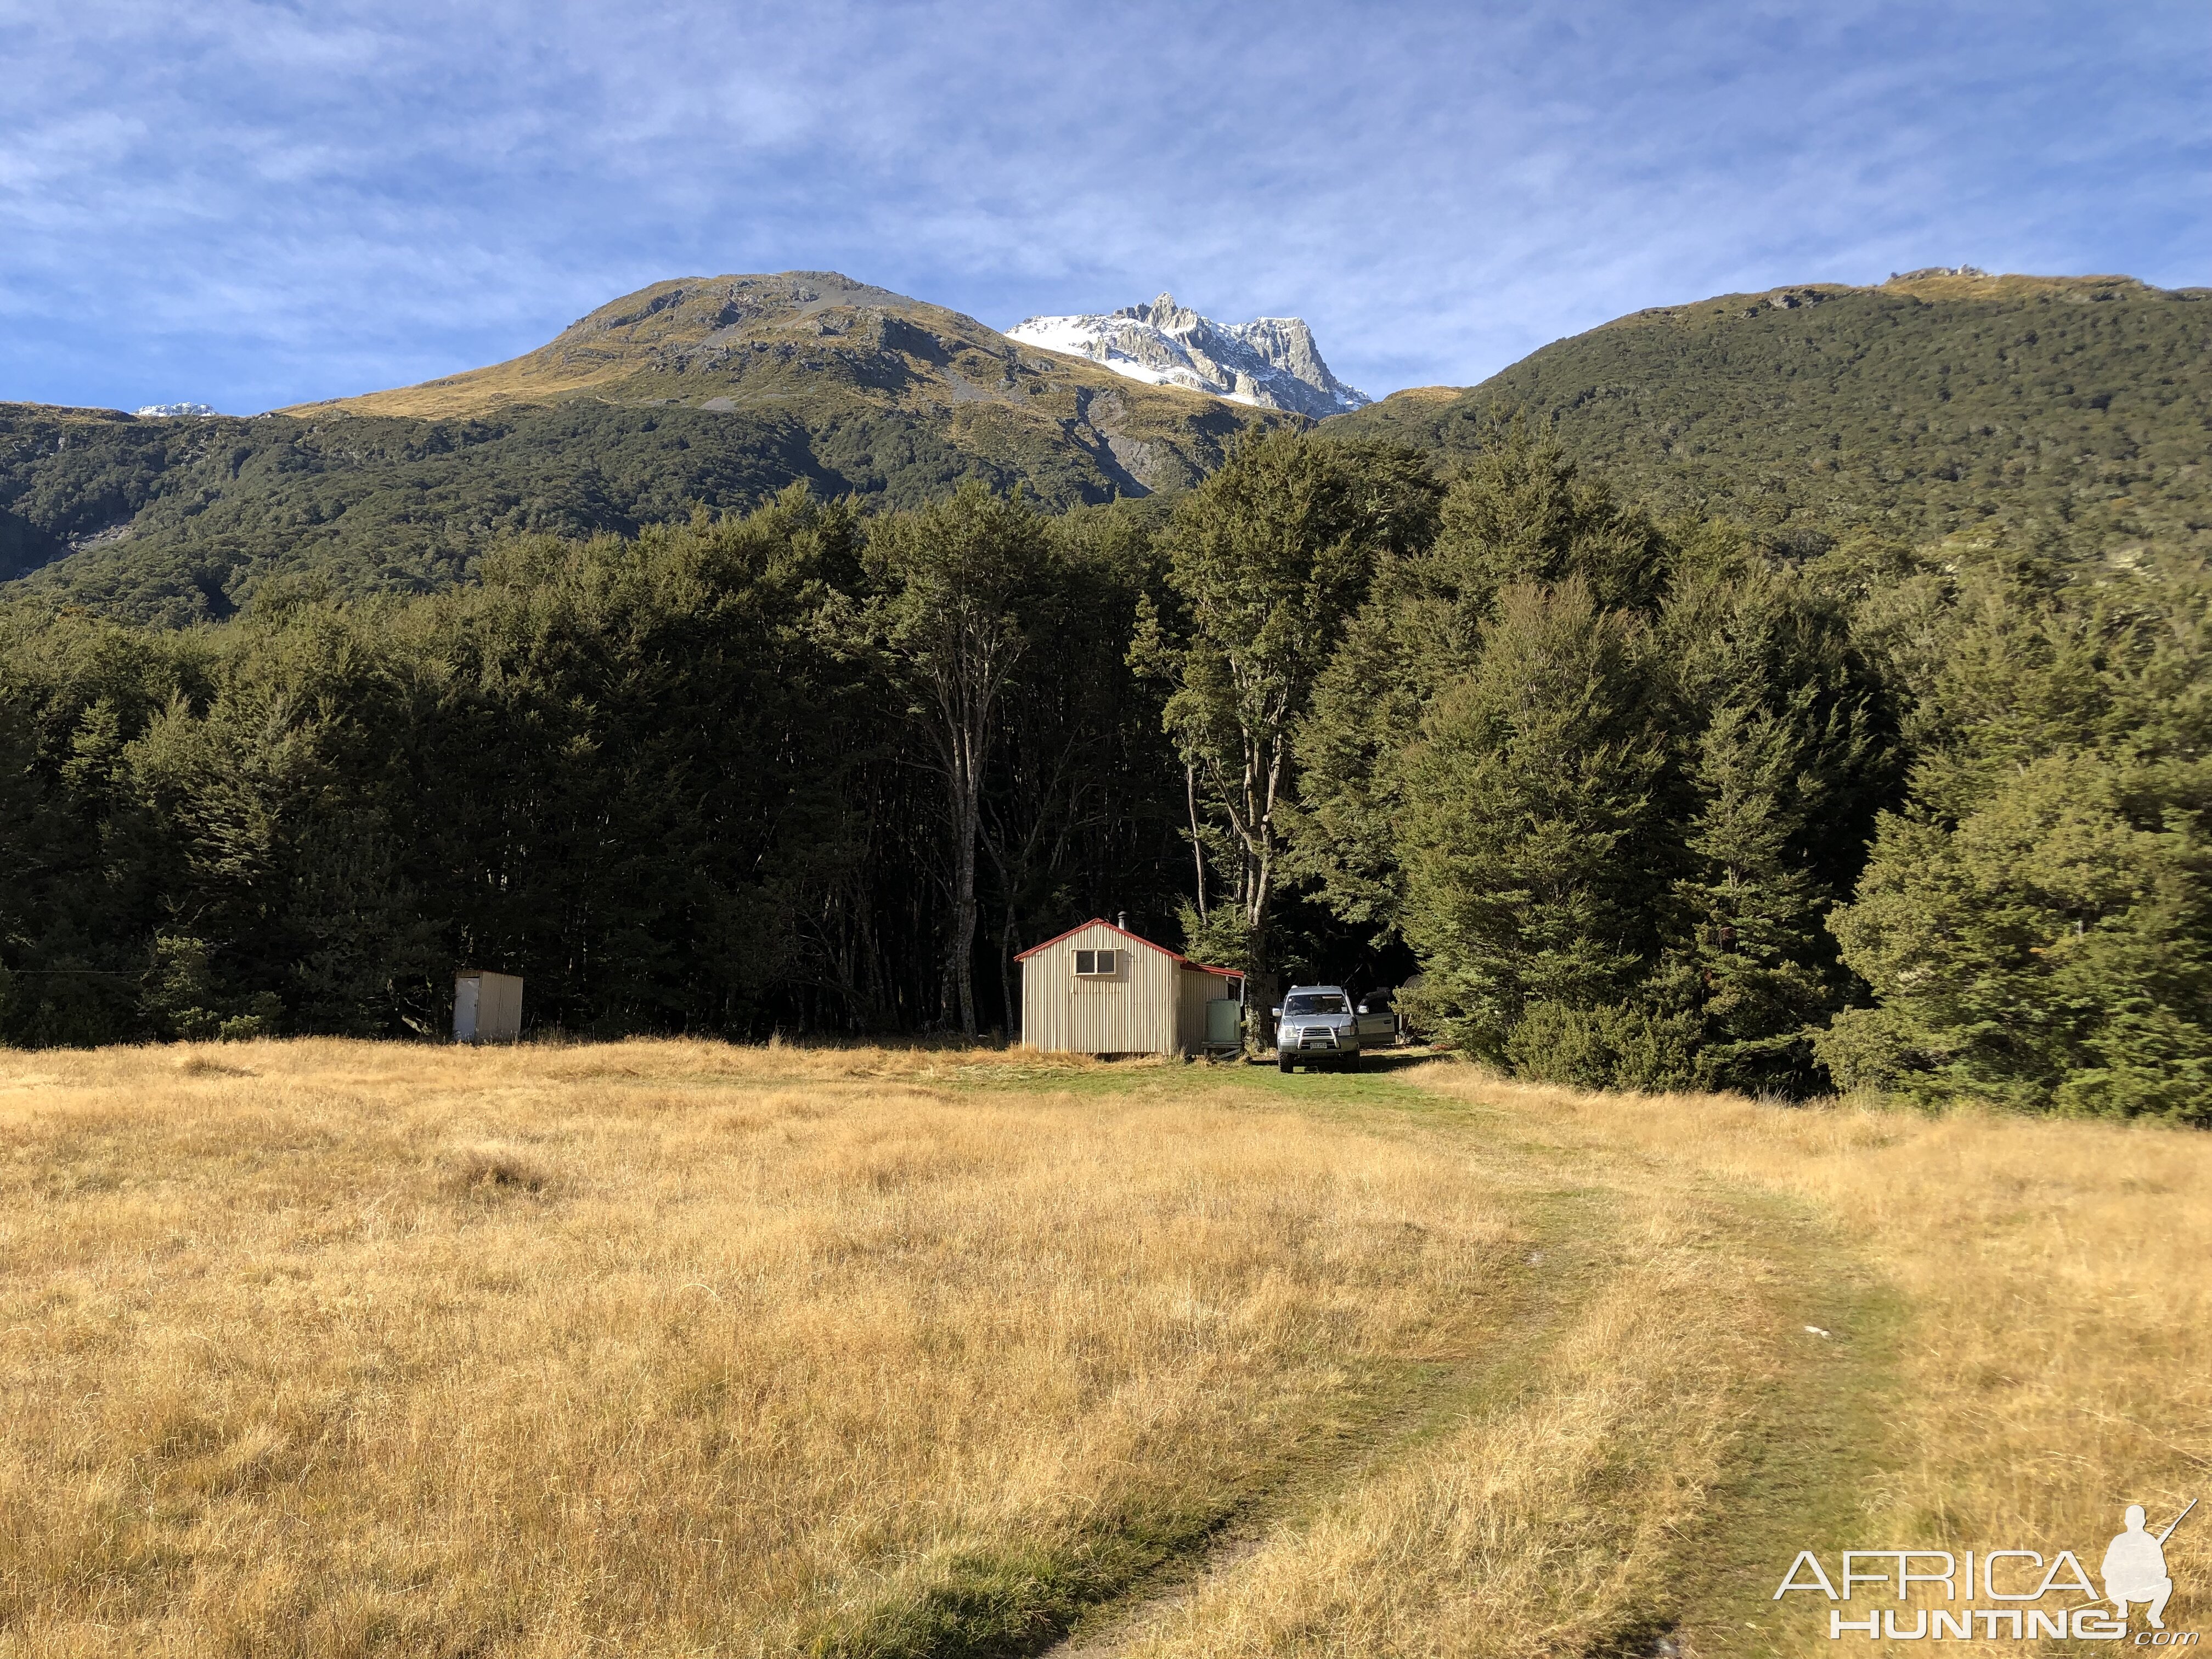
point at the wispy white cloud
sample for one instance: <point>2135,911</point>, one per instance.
<point>256,202</point>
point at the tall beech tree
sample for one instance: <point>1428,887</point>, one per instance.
<point>1534,811</point>
<point>2035,925</point>
<point>1519,512</point>
<point>1787,751</point>
<point>961,581</point>
<point>1266,560</point>
<point>1753,790</point>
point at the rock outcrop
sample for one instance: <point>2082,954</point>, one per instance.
<point>1271,362</point>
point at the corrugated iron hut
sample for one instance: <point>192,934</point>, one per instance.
<point>1099,989</point>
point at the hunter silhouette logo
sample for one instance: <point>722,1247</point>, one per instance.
<point>2135,1566</point>
<point>2134,1572</point>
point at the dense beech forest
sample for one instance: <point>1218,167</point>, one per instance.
<point>1626,799</point>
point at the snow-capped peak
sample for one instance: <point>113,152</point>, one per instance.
<point>1271,361</point>
<point>175,408</point>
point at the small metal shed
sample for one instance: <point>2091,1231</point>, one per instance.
<point>487,1007</point>
<point>1100,989</point>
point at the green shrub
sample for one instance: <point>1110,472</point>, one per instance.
<point>1616,1047</point>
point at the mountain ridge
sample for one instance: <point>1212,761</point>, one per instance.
<point>1931,404</point>
<point>815,342</point>
<point>823,346</point>
<point>1940,402</point>
<point>692,391</point>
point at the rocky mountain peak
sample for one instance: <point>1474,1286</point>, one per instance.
<point>1271,362</point>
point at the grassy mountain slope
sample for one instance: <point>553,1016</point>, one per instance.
<point>718,390</point>
<point>1929,405</point>
<point>818,346</point>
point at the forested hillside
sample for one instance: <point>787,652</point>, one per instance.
<point>717,393</point>
<point>1936,403</point>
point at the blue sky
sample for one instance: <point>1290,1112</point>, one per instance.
<point>253,204</point>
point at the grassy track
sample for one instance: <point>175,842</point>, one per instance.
<point>2019,1333</point>
<point>1615,1480</point>
<point>326,1348</point>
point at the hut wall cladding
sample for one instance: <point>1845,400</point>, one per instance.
<point>1198,989</point>
<point>1133,1012</point>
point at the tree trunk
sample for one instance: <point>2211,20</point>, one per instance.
<point>964,939</point>
<point>1197,847</point>
<point>1264,760</point>
<point>1009,1000</point>
<point>960,957</point>
<point>1261,991</point>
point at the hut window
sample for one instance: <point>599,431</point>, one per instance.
<point>1094,964</point>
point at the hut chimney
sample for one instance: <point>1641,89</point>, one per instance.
<point>1122,919</point>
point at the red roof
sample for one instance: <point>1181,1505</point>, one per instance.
<point>1135,939</point>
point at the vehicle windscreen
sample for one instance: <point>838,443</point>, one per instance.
<point>1313,1004</point>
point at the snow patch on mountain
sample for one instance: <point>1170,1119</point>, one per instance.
<point>1271,362</point>
<point>157,410</point>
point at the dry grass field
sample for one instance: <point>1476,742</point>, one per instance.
<point>326,1348</point>
<point>2012,1341</point>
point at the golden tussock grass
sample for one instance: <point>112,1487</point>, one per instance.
<point>2018,1348</point>
<point>657,1348</point>
<point>1543,1524</point>
<point>2056,1363</point>
<point>327,1348</point>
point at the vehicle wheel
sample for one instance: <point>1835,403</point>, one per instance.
<point>1282,1062</point>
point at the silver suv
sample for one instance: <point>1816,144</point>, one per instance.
<point>1321,1025</point>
